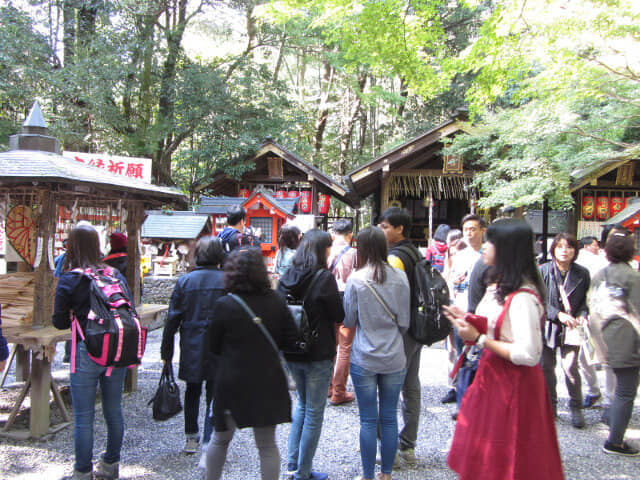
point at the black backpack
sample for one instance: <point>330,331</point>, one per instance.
<point>430,291</point>
<point>306,333</point>
<point>113,335</point>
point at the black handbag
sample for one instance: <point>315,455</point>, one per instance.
<point>166,401</point>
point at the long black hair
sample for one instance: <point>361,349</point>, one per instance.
<point>312,251</point>
<point>514,262</point>
<point>245,272</point>
<point>372,251</point>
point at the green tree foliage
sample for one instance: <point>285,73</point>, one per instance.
<point>558,83</point>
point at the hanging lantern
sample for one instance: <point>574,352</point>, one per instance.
<point>588,207</point>
<point>293,194</point>
<point>281,194</point>
<point>616,205</point>
<point>243,193</point>
<point>305,201</point>
<point>602,208</point>
<point>324,201</point>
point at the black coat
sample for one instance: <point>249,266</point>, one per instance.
<point>323,306</point>
<point>191,310</point>
<point>576,287</point>
<point>249,379</point>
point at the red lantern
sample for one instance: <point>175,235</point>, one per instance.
<point>324,201</point>
<point>281,194</point>
<point>588,207</point>
<point>617,204</point>
<point>293,194</point>
<point>305,201</point>
<point>243,193</point>
<point>602,208</point>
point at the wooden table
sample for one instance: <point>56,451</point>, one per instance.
<point>41,342</point>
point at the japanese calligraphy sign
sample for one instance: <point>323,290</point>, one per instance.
<point>133,167</point>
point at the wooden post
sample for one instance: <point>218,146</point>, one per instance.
<point>135,217</point>
<point>40,386</point>
<point>314,199</point>
<point>43,292</point>
<point>23,363</point>
<point>384,194</point>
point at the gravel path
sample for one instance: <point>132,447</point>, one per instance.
<point>152,450</point>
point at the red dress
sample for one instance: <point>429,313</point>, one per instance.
<point>506,428</point>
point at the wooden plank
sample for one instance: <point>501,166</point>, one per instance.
<point>39,418</point>
<point>17,405</point>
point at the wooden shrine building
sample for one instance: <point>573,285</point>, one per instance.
<point>417,176</point>
<point>35,181</point>
<point>281,173</point>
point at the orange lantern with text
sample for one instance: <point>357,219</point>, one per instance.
<point>616,205</point>
<point>293,194</point>
<point>324,201</point>
<point>243,193</point>
<point>602,208</point>
<point>305,201</point>
<point>281,194</point>
<point>588,207</point>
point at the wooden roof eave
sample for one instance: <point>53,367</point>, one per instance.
<point>76,188</point>
<point>589,177</point>
<point>385,161</point>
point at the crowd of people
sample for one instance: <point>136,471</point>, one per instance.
<point>510,315</point>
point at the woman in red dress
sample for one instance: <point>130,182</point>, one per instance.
<point>506,428</point>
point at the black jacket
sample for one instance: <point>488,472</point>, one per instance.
<point>191,310</point>
<point>323,307</point>
<point>249,380</point>
<point>576,287</point>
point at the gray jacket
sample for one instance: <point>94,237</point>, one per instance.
<point>615,324</point>
<point>378,345</point>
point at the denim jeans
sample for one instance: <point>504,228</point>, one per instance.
<point>192,406</point>
<point>312,382</point>
<point>371,387</point>
<point>84,383</point>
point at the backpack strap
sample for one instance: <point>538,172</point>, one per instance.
<point>114,255</point>
<point>336,260</point>
<point>311,284</point>
<point>505,308</point>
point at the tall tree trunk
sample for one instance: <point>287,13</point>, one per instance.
<point>69,31</point>
<point>175,23</point>
<point>323,106</point>
<point>276,70</point>
<point>352,111</point>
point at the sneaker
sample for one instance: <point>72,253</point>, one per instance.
<point>450,397</point>
<point>408,456</point>
<point>80,476</point>
<point>577,419</point>
<point>590,400</point>
<point>347,398</point>
<point>315,476</point>
<point>106,471</point>
<point>191,444</point>
<point>624,450</point>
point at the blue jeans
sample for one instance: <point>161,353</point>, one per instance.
<point>312,382</point>
<point>370,387</point>
<point>84,383</point>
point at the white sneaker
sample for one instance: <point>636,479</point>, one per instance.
<point>203,457</point>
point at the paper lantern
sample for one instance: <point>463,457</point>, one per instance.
<point>305,201</point>
<point>293,194</point>
<point>324,201</point>
<point>281,194</point>
<point>616,205</point>
<point>602,208</point>
<point>588,207</point>
<point>243,193</point>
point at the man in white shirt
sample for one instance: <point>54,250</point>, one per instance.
<point>590,258</point>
